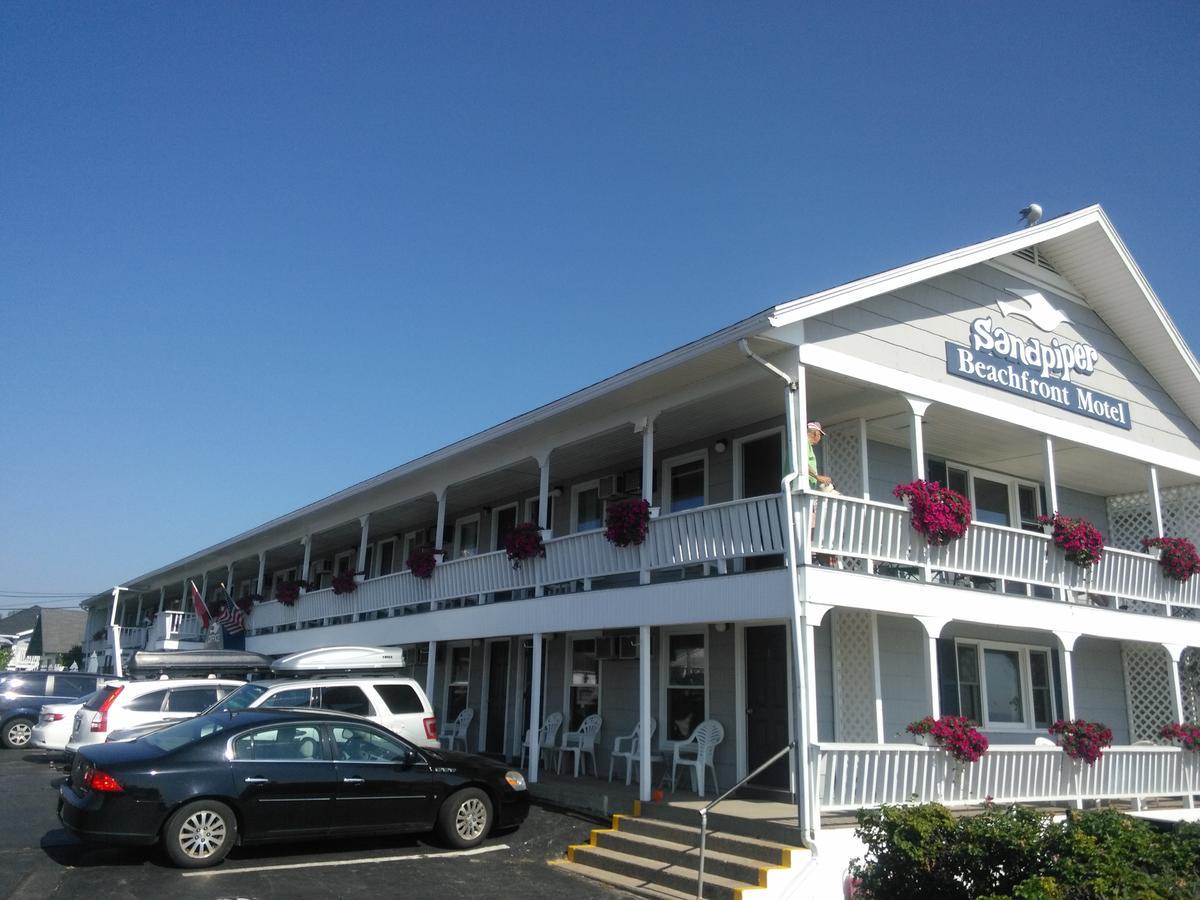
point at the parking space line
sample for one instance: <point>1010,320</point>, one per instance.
<point>241,870</point>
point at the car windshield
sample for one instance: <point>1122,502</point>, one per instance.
<point>239,699</point>
<point>175,736</point>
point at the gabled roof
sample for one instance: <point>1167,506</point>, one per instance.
<point>22,620</point>
<point>57,631</point>
<point>1088,252</point>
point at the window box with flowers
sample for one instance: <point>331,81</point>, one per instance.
<point>344,583</point>
<point>627,522</point>
<point>954,734</point>
<point>1178,559</point>
<point>1081,739</point>
<point>1079,539</point>
<point>939,513</point>
<point>422,562</point>
<point>1186,733</point>
<point>524,542</point>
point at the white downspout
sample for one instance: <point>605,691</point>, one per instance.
<point>787,486</point>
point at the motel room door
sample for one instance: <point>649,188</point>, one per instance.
<point>767,704</point>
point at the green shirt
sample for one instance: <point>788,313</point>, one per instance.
<point>812,467</point>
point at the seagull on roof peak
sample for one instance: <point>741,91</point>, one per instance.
<point>1032,214</point>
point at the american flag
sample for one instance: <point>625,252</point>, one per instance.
<point>232,619</point>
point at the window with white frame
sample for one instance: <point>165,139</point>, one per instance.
<point>412,540</point>
<point>587,509</point>
<point>1005,686</point>
<point>458,681</point>
<point>584,697</point>
<point>685,480</point>
<point>533,506</point>
<point>995,498</point>
<point>686,684</point>
<point>386,557</point>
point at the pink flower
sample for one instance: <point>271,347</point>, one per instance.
<point>1081,739</point>
<point>937,512</point>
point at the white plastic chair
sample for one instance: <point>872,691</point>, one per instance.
<point>457,730</point>
<point>630,753</point>
<point>697,754</point>
<point>581,742</point>
<point>547,735</point>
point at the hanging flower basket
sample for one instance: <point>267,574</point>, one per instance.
<point>288,592</point>
<point>954,734</point>
<point>422,562</point>
<point>344,583</point>
<point>246,602</point>
<point>1187,734</point>
<point>626,522</point>
<point>937,512</point>
<point>1081,739</point>
<point>1178,559</point>
<point>1079,539</point>
<point>524,542</point>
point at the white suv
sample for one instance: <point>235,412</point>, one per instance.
<point>398,704</point>
<point>137,702</point>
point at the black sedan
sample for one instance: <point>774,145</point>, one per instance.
<point>259,775</point>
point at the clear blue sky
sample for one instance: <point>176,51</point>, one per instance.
<point>251,253</point>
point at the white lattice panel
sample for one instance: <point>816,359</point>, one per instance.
<point>854,677</point>
<point>842,451</point>
<point>1147,689</point>
<point>1130,518</point>
<point>1189,683</point>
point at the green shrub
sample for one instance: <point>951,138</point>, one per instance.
<point>1017,852</point>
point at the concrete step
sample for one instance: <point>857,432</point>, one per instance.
<point>766,852</point>
<point>658,873</point>
<point>626,883</point>
<point>783,831</point>
<point>648,848</point>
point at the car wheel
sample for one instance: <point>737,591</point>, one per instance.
<point>17,733</point>
<point>200,834</point>
<point>465,818</point>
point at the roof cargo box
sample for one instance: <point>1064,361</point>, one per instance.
<point>181,663</point>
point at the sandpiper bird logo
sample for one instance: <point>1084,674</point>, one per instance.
<point>1032,307</point>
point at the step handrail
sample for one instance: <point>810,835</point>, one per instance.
<point>704,812</point>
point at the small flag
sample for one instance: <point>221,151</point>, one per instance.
<point>201,609</point>
<point>232,619</point>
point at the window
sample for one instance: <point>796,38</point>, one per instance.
<point>459,682</point>
<point>504,520</point>
<point>466,536</point>
<point>686,682</point>
<point>996,499</point>
<point>533,506</point>
<point>387,557</point>
<point>686,480</point>
<point>192,700</point>
<point>292,697</point>
<point>344,562</point>
<point>587,509</point>
<point>151,702</point>
<point>284,743</point>
<point>585,682</point>
<point>1005,686</point>
<point>347,698</point>
<point>412,541</point>
<point>361,744</point>
<point>400,698</point>
<point>72,685</point>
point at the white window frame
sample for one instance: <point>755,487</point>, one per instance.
<point>280,575</point>
<point>1014,497</point>
<point>739,463</point>
<point>664,672</point>
<point>377,558</point>
<point>576,490</point>
<point>568,663</point>
<point>496,510</point>
<point>412,540</point>
<point>1025,674</point>
<point>665,477</point>
<point>351,557</point>
<point>531,504</point>
<point>449,673</point>
<point>458,525</point>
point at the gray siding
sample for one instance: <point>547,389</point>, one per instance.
<point>887,466</point>
<point>901,675</point>
<point>907,330</point>
<point>1089,506</point>
<point>823,661</point>
<point>1100,685</point>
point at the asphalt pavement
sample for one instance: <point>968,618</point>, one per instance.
<point>39,859</point>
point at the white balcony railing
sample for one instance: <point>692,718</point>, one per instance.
<point>174,625</point>
<point>880,533</point>
<point>131,639</point>
<point>853,776</point>
<point>709,535</point>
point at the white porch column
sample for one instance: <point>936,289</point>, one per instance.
<point>916,439</point>
<point>797,406</point>
<point>543,462</point>
<point>438,537</point>
<point>431,673</point>
<point>360,566</point>
<point>879,736</point>
<point>1049,474</point>
<point>1155,500</point>
<point>1176,651</point>
<point>137,616</point>
<point>307,542</point>
<point>1066,645</point>
<point>162,598</point>
<point>230,587</point>
<point>646,427</point>
<point>262,572</point>
<point>933,628</point>
<point>862,458</point>
<point>644,749</point>
<point>185,599</point>
<point>535,708</point>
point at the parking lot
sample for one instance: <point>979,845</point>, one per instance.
<point>39,859</point>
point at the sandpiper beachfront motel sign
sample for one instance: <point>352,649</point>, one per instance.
<point>1031,368</point>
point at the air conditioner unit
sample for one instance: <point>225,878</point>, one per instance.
<point>627,646</point>
<point>609,487</point>
<point>606,648</point>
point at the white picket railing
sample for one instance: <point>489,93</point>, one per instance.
<point>854,776</point>
<point>881,533</point>
<point>175,625</point>
<point>711,534</point>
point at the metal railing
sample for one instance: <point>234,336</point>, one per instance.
<point>704,812</point>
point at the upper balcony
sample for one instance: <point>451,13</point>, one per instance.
<point>865,536</point>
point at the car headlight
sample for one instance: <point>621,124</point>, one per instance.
<point>515,780</point>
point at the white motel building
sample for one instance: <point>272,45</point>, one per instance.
<point>1035,372</point>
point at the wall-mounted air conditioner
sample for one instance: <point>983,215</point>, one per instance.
<point>609,487</point>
